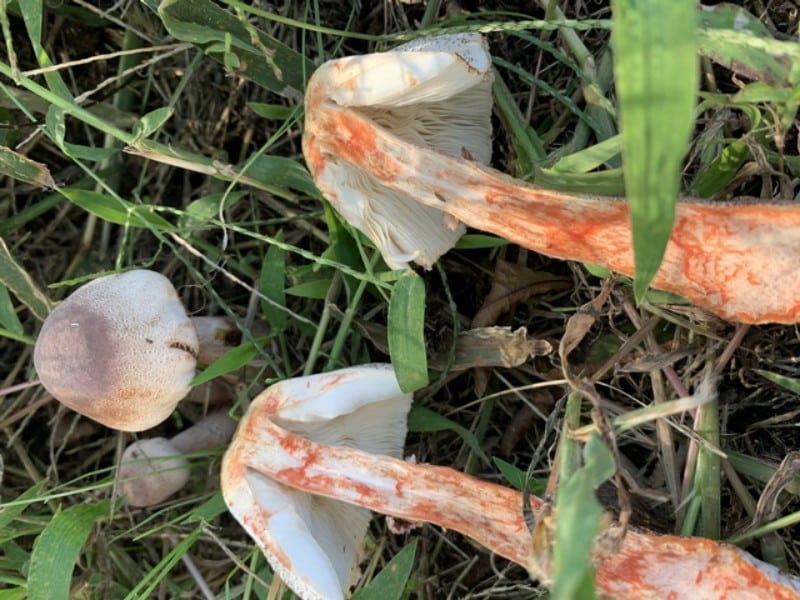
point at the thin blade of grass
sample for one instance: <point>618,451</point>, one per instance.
<point>655,60</point>
<point>708,472</point>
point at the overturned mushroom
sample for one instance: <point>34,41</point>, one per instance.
<point>152,470</point>
<point>122,351</point>
<point>312,542</point>
<point>290,454</point>
<point>738,260</point>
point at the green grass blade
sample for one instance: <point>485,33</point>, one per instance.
<point>390,583</point>
<point>655,60</point>
<point>239,46</point>
<point>272,286</point>
<point>15,165</point>
<point>579,516</point>
<point>406,332</point>
<point>17,280</point>
<point>57,548</point>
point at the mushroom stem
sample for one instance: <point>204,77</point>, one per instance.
<point>738,260</point>
<point>646,566</point>
<point>215,336</point>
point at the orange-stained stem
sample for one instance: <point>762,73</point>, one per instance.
<point>647,566</point>
<point>489,514</point>
<point>737,260</point>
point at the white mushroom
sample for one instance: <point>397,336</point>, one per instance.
<point>738,260</point>
<point>121,350</point>
<point>152,470</point>
<point>290,457</point>
<point>313,543</point>
<point>432,93</point>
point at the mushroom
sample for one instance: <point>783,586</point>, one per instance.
<point>434,93</point>
<point>312,542</point>
<point>152,470</point>
<point>122,351</point>
<point>366,153</point>
<point>290,454</point>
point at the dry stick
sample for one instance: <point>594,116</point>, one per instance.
<point>647,565</point>
<point>738,260</point>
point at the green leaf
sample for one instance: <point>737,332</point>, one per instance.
<point>316,289</point>
<point>199,212</point>
<point>406,334</point>
<point>208,511</point>
<point>14,277</point>
<point>15,165</point>
<point>115,210</point>
<point>57,548</point>
<point>8,316</point>
<point>152,122</point>
<point>283,172</point>
<point>273,112</point>
<point>273,276</point>
<point>578,519</point>
<point>232,360</point>
<point>479,241</point>
<point>589,158</point>
<point>655,60</point>
<point>391,582</point>
<point>721,170</point>
<point>238,45</point>
<point>424,420</point>
<point>788,383</point>
<point>517,477</point>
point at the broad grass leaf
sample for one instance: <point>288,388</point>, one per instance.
<point>271,284</point>
<point>260,58</point>
<point>57,548</point>
<point>16,279</point>
<point>116,210</point>
<point>283,172</point>
<point>8,316</point>
<point>391,582</point>
<point>20,167</point>
<point>406,335</point>
<point>152,122</point>
<point>579,516</point>
<point>716,175</point>
<point>655,61</point>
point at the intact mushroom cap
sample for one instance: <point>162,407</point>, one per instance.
<point>433,93</point>
<point>120,350</point>
<point>151,471</point>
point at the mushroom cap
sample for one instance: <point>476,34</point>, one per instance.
<point>433,93</point>
<point>120,350</point>
<point>150,471</point>
<point>313,543</point>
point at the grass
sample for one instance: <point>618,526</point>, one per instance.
<point>170,139</point>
